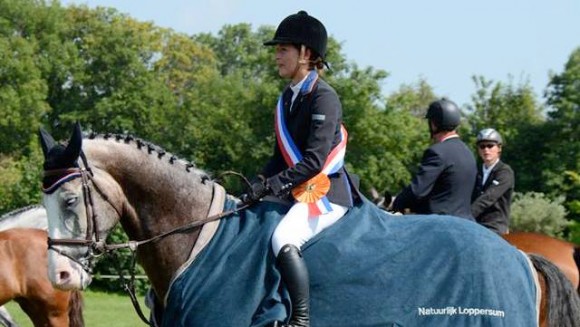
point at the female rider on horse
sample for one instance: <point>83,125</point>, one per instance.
<point>308,159</point>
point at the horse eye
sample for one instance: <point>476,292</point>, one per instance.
<point>71,201</point>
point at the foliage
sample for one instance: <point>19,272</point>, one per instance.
<point>22,87</point>
<point>502,106</point>
<point>19,178</point>
<point>534,212</point>
<point>561,160</point>
<point>109,84</point>
<point>571,188</point>
<point>574,232</point>
<point>390,141</point>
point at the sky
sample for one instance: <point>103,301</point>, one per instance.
<point>444,42</point>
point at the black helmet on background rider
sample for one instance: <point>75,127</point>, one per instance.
<point>444,114</point>
<point>489,135</point>
<point>301,29</point>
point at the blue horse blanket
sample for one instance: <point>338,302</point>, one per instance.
<point>368,269</point>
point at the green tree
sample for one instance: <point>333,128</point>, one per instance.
<point>391,140</point>
<point>562,135</point>
<point>23,29</point>
<point>240,51</point>
<point>19,181</point>
<point>234,119</point>
<point>187,69</point>
<point>109,84</point>
<point>503,106</point>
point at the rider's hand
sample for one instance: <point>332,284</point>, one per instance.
<point>258,188</point>
<point>245,198</point>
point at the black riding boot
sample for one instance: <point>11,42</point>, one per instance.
<point>295,276</point>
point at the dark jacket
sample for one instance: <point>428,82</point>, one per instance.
<point>444,183</point>
<point>314,125</point>
<point>492,201</point>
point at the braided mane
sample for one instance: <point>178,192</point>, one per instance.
<point>151,149</point>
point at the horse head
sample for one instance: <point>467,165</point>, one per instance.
<point>94,182</point>
<point>73,230</point>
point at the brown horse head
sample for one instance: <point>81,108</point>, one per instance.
<point>23,278</point>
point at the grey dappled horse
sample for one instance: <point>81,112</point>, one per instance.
<point>93,183</point>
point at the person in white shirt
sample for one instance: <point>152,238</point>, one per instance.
<point>494,185</point>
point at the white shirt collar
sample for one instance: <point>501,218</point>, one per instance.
<point>492,165</point>
<point>296,90</point>
<point>487,171</point>
<point>296,87</point>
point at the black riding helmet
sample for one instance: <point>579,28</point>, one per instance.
<point>303,29</point>
<point>444,114</point>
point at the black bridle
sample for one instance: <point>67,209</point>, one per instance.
<point>97,247</point>
<point>92,242</point>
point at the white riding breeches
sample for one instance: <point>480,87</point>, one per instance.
<point>297,227</point>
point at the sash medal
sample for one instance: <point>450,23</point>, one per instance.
<point>313,191</point>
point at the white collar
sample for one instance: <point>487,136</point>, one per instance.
<point>295,90</point>
<point>490,167</point>
<point>296,87</point>
<point>487,171</point>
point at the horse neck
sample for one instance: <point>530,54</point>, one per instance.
<point>27,217</point>
<point>160,194</point>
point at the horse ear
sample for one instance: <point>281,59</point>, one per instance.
<point>46,141</point>
<point>73,149</point>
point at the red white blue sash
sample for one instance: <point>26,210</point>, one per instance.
<point>292,155</point>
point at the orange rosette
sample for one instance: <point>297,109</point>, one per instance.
<point>312,190</point>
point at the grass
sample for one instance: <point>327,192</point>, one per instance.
<point>100,310</point>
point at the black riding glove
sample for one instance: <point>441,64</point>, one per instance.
<point>258,189</point>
